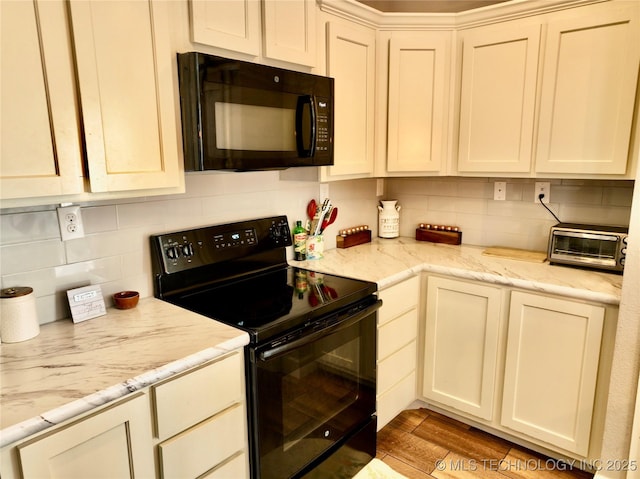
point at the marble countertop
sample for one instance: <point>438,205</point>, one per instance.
<point>71,368</point>
<point>389,261</point>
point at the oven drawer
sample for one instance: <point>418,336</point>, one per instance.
<point>198,394</point>
<point>204,446</point>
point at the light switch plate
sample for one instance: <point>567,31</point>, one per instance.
<point>500,190</point>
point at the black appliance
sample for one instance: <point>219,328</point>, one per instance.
<point>244,116</point>
<point>311,360</point>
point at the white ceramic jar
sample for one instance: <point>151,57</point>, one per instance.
<point>389,219</point>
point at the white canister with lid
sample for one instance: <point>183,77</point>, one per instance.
<point>18,314</point>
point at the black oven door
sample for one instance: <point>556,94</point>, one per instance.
<point>311,393</point>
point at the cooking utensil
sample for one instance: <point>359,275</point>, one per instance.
<point>331,217</point>
<point>312,209</point>
<point>326,205</point>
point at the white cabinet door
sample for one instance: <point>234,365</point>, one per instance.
<point>588,90</point>
<point>230,24</point>
<point>462,345</point>
<point>40,136</point>
<point>290,31</point>
<point>126,90</point>
<point>552,357</point>
<point>497,105</point>
<point>419,76</point>
<point>351,61</point>
<point>114,442</point>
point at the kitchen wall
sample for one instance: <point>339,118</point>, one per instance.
<point>517,222</point>
<point>115,252</point>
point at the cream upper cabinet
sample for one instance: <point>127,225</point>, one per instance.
<point>90,83</point>
<point>351,62</point>
<point>40,138</point>
<point>461,349</point>
<point>289,27</point>
<point>551,367</point>
<point>114,442</point>
<point>126,91</point>
<point>497,102</point>
<point>588,89</point>
<point>418,101</point>
<point>230,24</point>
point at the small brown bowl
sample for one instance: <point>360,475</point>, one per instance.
<point>126,299</point>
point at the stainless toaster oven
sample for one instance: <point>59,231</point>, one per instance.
<point>591,246</point>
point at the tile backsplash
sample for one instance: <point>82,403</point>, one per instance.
<point>115,251</point>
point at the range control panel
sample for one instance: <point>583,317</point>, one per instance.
<point>183,250</point>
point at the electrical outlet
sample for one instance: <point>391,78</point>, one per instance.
<point>380,187</point>
<point>70,221</point>
<point>500,190</point>
<point>542,188</point>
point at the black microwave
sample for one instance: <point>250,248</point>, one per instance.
<point>245,116</point>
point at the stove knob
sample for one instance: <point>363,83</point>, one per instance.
<point>187,250</point>
<point>173,252</point>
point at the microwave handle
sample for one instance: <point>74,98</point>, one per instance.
<point>302,151</point>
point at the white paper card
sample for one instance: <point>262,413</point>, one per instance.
<point>86,303</point>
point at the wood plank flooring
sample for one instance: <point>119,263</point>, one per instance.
<point>423,444</point>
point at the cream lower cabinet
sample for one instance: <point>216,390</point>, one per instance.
<point>551,367</point>
<point>190,425</point>
<point>114,442</point>
<point>201,422</point>
<point>461,351</point>
<point>397,349</point>
<point>519,363</point>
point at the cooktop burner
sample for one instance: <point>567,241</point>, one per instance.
<point>237,274</point>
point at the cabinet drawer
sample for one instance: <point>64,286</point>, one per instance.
<point>236,468</point>
<point>397,333</point>
<point>188,399</point>
<point>395,400</point>
<point>396,366</point>
<point>201,448</point>
<point>398,299</point>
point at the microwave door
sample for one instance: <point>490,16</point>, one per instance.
<point>306,126</point>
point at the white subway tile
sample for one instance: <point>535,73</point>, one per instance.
<point>31,256</point>
<point>28,227</point>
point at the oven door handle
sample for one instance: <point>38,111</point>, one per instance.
<point>297,343</point>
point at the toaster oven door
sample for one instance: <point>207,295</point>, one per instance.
<point>584,248</point>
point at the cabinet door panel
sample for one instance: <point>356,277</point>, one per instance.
<point>230,24</point>
<point>418,78</point>
<point>114,442</point>
<point>588,91</point>
<point>290,31</point>
<point>499,75</point>
<point>40,143</point>
<point>551,367</point>
<point>351,61</point>
<point>461,345</point>
<point>126,90</point>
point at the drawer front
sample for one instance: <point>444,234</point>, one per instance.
<point>396,399</point>
<point>398,299</point>
<point>396,367</point>
<point>186,400</point>
<point>201,448</point>
<point>397,333</point>
<point>236,468</point>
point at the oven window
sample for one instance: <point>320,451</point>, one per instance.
<point>584,247</point>
<point>313,396</point>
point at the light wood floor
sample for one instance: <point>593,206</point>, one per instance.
<point>422,444</point>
